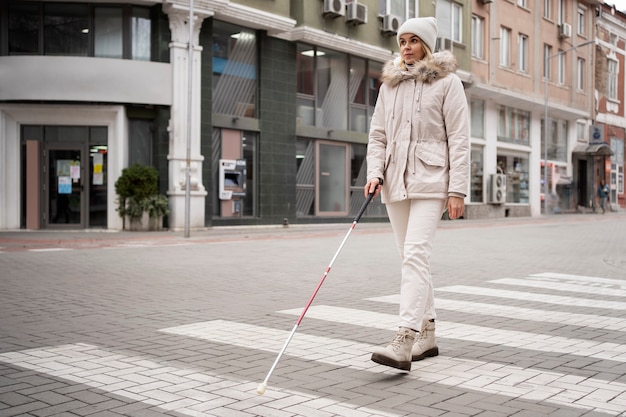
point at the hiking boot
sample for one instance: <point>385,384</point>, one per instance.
<point>397,353</point>
<point>425,345</point>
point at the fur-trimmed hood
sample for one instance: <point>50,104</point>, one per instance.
<point>439,66</point>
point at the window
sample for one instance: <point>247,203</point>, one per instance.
<point>108,39</point>
<point>522,3</point>
<point>331,72</point>
<point>476,175</point>
<point>66,29</point>
<point>23,29</point>
<point>561,68</point>
<point>617,168</point>
<point>234,70</point>
<point>561,11</point>
<point>580,78</point>
<point>478,25</point>
<point>513,125</point>
<point>404,9</point>
<point>547,54</point>
<point>522,64</point>
<point>515,166</point>
<point>505,47</point>
<point>74,29</point>
<point>582,11</point>
<point>450,20</point>
<point>335,90</point>
<point>547,9</point>
<point>477,114</point>
<point>611,79</point>
<point>140,34</point>
<point>557,140</point>
<point>581,131</point>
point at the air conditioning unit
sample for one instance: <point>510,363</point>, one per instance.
<point>565,30</point>
<point>443,44</point>
<point>334,8</point>
<point>391,24</point>
<point>498,189</point>
<point>356,13</point>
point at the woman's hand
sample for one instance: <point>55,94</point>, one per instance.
<point>456,207</point>
<point>372,186</point>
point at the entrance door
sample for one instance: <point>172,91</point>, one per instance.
<point>65,186</point>
<point>583,194</point>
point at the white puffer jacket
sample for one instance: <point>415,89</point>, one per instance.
<point>419,134</point>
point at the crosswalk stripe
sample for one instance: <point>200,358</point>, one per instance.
<point>591,280</point>
<point>511,381</point>
<point>535,297</point>
<point>167,387</point>
<point>559,286</point>
<point>468,332</point>
<point>512,312</point>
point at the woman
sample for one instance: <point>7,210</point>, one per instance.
<point>418,160</point>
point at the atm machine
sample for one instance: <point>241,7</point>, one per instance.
<point>232,183</point>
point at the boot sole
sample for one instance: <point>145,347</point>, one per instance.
<point>428,354</point>
<point>384,360</point>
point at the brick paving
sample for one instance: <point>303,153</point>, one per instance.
<point>532,321</point>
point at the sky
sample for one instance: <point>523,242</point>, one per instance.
<point>619,4</point>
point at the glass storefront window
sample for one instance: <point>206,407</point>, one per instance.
<point>557,140</point>
<point>305,71</point>
<point>23,28</point>
<point>513,125</point>
<point>477,175</point>
<point>141,34</point>
<point>108,39</point>
<point>305,177</point>
<point>517,177</point>
<point>375,71</point>
<point>358,95</point>
<point>234,70</point>
<point>477,112</point>
<point>66,29</point>
<point>74,29</point>
<point>332,82</point>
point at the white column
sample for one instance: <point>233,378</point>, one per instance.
<point>178,135</point>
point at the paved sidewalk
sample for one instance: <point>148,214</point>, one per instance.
<point>532,321</point>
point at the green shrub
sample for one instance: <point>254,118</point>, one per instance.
<point>138,181</point>
<point>138,191</point>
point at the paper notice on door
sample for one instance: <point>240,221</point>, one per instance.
<point>98,177</point>
<point>97,163</point>
<point>63,167</point>
<point>75,170</point>
<point>65,185</point>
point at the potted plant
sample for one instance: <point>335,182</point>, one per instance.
<point>139,200</point>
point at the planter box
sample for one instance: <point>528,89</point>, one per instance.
<point>145,223</point>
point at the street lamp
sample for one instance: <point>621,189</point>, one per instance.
<point>545,121</point>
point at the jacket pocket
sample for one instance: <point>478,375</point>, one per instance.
<point>432,152</point>
<point>389,154</point>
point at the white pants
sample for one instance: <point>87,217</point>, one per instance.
<point>414,223</point>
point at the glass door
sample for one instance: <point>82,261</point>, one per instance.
<point>332,179</point>
<point>65,186</point>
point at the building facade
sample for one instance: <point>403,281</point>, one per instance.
<point>262,118</point>
<point>610,107</point>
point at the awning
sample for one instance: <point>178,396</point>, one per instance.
<point>593,149</point>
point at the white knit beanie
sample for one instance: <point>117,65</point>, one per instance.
<point>424,27</point>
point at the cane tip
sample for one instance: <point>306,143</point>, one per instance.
<point>261,388</point>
